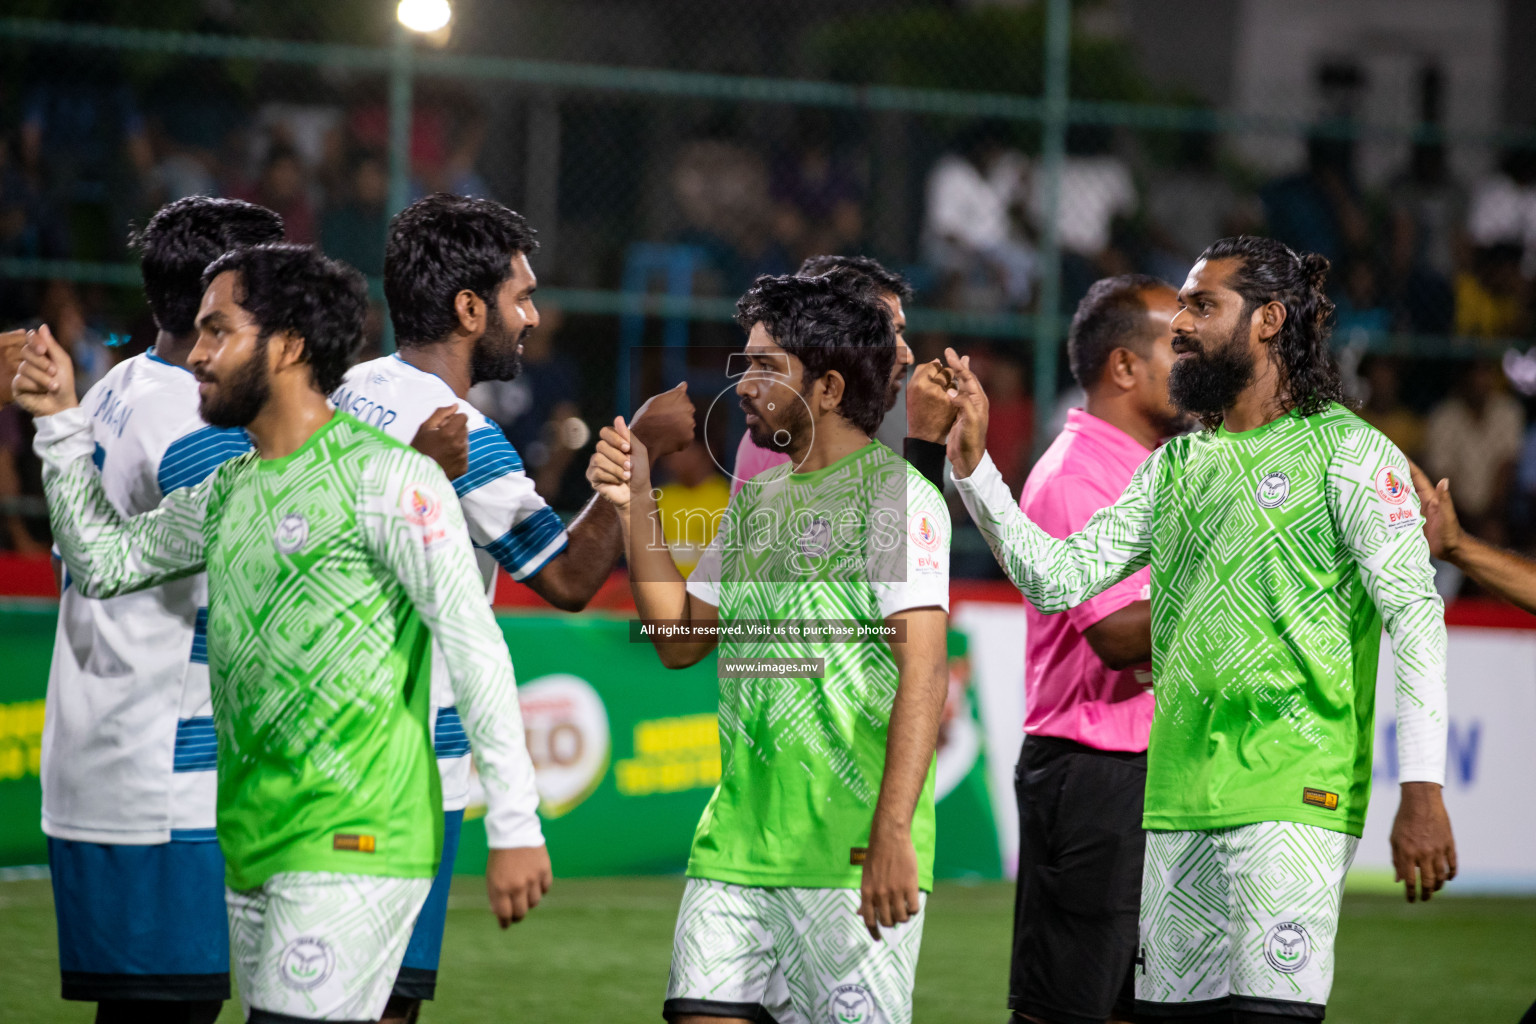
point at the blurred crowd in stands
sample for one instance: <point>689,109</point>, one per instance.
<point>1423,254</point>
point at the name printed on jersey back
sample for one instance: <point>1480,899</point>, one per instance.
<point>113,411</point>
<point>363,407</point>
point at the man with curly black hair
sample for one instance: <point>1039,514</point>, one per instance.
<point>1281,540</point>
<point>824,813</point>
<point>338,568</point>
<point>893,290</point>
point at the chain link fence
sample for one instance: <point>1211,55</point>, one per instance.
<point>1002,156</point>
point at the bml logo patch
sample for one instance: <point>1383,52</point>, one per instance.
<point>851,1004</point>
<point>292,532</point>
<point>1287,947</point>
<point>1273,490</point>
<point>306,963</point>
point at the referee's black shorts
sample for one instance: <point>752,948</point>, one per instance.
<point>1075,909</point>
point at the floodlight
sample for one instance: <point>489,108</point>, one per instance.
<point>424,15</point>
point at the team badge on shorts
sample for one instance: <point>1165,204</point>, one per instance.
<point>306,963</point>
<point>1287,947</point>
<point>292,532</point>
<point>851,1004</point>
<point>1273,490</point>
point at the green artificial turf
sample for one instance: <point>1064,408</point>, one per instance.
<point>598,949</point>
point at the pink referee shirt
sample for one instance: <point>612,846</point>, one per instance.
<point>1068,692</point>
<point>752,460</point>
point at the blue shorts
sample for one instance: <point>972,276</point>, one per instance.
<point>418,971</point>
<point>141,922</point>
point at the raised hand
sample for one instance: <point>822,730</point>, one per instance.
<point>515,880</point>
<point>664,424</point>
<point>620,468</point>
<point>444,438</point>
<point>45,381</point>
<point>1441,527</point>
<point>10,361</point>
<point>967,440</point>
<point>929,412</point>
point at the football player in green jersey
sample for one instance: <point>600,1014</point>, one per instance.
<point>824,812</point>
<point>337,559</point>
<point>1281,539</point>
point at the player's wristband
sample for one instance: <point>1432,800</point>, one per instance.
<point>927,457</point>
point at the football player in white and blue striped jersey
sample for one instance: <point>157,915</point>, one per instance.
<point>128,744</point>
<point>460,293</point>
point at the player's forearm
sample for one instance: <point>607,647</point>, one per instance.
<point>431,557</point>
<point>913,731</point>
<point>105,554</point>
<point>571,579</point>
<point>927,457</point>
<point>660,592</point>
<point>486,696</point>
<point>1124,637</point>
<point>1500,572</point>
<point>485,690</point>
<point>1054,574</point>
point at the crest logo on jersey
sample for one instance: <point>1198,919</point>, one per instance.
<point>1287,947</point>
<point>1391,487</point>
<point>817,538</point>
<point>306,963</point>
<point>924,531</point>
<point>292,532</point>
<point>1273,490</point>
<point>851,1004</point>
<point>423,509</point>
<point>420,505</point>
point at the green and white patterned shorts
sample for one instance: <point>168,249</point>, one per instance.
<point>1241,918</point>
<point>321,946</point>
<point>802,955</point>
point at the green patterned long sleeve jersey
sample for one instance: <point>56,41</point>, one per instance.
<point>1277,556</point>
<point>331,573</point>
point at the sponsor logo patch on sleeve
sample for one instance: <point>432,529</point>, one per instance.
<point>1391,485</point>
<point>423,509</point>
<point>924,530</point>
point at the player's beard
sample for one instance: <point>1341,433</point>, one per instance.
<point>237,398</point>
<point>1209,381</point>
<point>795,425</point>
<point>497,355</point>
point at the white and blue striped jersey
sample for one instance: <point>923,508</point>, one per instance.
<point>128,744</point>
<point>509,523</point>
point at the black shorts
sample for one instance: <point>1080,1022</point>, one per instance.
<point>1079,892</point>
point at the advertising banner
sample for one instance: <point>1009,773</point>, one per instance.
<point>1490,761</point>
<point>626,751</point>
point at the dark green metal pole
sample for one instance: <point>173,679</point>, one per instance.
<point>1058,37</point>
<point>400,74</point>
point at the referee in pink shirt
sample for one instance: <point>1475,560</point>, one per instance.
<point>1082,771</point>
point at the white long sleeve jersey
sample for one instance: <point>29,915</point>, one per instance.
<point>128,740</point>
